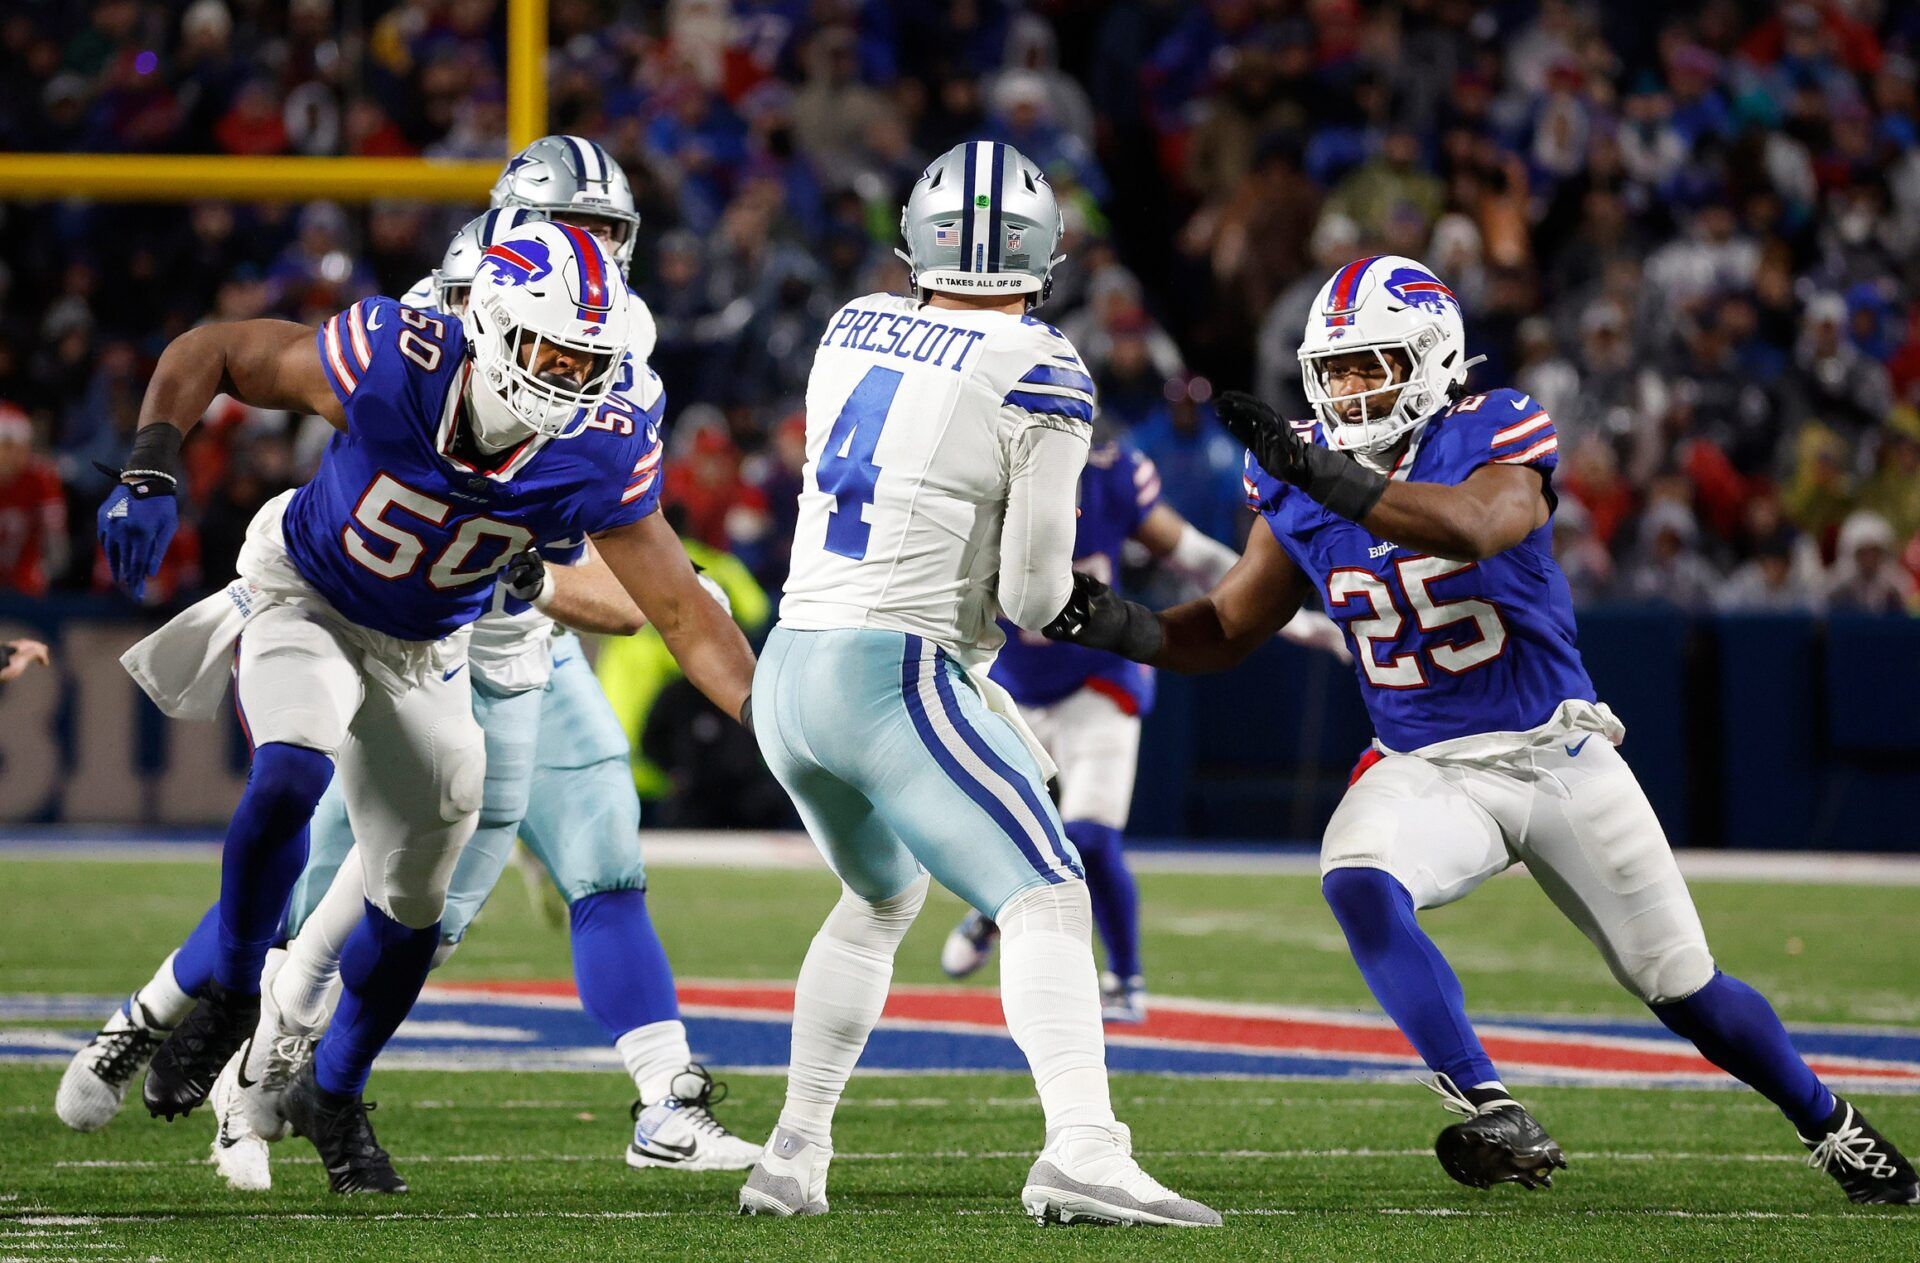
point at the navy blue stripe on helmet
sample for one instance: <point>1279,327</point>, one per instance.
<point>996,232</point>
<point>1022,786</point>
<point>605,163</point>
<point>1049,375</point>
<point>966,210</point>
<point>579,156</point>
<point>486,229</point>
<point>911,664</point>
<point>1052,405</point>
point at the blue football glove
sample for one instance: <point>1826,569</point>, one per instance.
<point>136,523</point>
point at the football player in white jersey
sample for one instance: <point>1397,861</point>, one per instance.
<point>945,437</point>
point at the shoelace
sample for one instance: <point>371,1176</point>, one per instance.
<point>1450,1096</point>
<point>348,1126</point>
<point>699,1107</point>
<point>125,1051</point>
<point>285,1055</point>
<point>1849,1145</point>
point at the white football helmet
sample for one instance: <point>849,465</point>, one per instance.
<point>543,286</point>
<point>1380,304</point>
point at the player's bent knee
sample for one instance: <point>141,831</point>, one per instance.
<point>443,952</point>
<point>1054,907</point>
<point>411,885</point>
<point>289,779</point>
<point>876,923</point>
<point>1368,903</point>
<point>1674,974</point>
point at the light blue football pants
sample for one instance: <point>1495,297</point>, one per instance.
<point>557,777</point>
<point>898,767</point>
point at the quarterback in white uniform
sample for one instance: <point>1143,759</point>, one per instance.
<point>945,437</point>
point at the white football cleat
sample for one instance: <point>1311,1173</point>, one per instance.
<point>789,1179</point>
<point>238,1152</point>
<point>271,1058</point>
<point>95,1084</point>
<point>1087,1174</point>
<point>969,945</point>
<point>680,1131</point>
<point>1123,1001</point>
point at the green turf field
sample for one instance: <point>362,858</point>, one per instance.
<point>528,1165</point>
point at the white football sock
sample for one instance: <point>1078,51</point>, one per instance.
<point>308,984</point>
<point>1050,992</point>
<point>653,1054</point>
<point>842,988</point>
<point>162,999</point>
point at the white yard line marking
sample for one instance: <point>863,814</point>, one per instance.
<point>934,1155</point>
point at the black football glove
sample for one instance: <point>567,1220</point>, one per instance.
<point>1342,484</point>
<point>1100,618</point>
<point>526,579</point>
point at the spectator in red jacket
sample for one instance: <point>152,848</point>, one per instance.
<point>33,510</point>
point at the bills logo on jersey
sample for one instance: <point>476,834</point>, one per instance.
<point>516,262</point>
<point>1421,289</point>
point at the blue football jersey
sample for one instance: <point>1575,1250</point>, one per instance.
<point>1443,649</point>
<point>1118,488</point>
<point>404,537</point>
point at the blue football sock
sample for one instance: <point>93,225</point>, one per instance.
<point>1116,900</point>
<point>1735,1028</point>
<point>1406,972</point>
<point>265,850</point>
<point>383,965</point>
<point>619,964</point>
<point>193,963</point>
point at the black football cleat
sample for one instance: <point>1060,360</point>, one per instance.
<point>1497,1142</point>
<point>184,1069</point>
<point>338,1127</point>
<point>1864,1162</point>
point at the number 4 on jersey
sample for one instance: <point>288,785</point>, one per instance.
<point>846,471</point>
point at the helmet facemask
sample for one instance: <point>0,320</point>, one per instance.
<point>1415,389</point>
<point>526,402</point>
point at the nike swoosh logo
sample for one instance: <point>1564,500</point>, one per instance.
<point>682,1151</point>
<point>1573,752</point>
<point>1520,404</point>
<point>373,318</point>
<point>456,671</point>
<point>240,1071</point>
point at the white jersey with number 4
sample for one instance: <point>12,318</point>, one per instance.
<point>916,417</point>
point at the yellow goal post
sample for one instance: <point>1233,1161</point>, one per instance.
<point>191,177</point>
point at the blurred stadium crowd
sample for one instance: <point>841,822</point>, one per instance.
<point>1692,229</point>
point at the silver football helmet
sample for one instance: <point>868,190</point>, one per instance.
<point>569,177</point>
<point>454,277</point>
<point>982,220</point>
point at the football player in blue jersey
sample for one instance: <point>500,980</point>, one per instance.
<point>1423,514</point>
<point>461,443</point>
<point>1085,707</point>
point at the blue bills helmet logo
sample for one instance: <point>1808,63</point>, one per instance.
<point>516,263</point>
<point>1421,289</point>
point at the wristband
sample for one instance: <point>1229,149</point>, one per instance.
<point>1340,483</point>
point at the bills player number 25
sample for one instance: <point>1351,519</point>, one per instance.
<point>1383,621</point>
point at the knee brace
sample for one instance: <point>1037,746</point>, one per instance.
<point>1055,908</point>
<point>876,927</point>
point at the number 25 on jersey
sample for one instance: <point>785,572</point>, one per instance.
<point>1379,623</point>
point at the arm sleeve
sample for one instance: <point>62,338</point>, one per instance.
<point>1199,558</point>
<point>1036,544</point>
